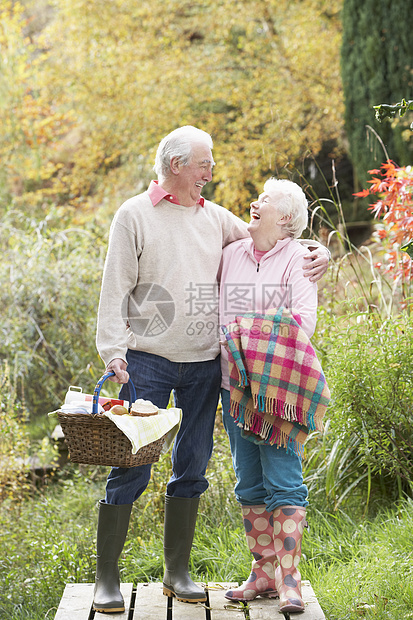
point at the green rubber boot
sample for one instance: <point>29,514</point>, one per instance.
<point>180,520</point>
<point>111,535</point>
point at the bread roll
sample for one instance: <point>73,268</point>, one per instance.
<point>143,408</point>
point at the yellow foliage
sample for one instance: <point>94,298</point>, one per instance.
<point>261,76</point>
<point>31,122</point>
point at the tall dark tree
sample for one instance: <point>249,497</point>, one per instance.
<point>376,67</point>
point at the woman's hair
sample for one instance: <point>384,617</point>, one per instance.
<point>179,144</point>
<point>290,200</point>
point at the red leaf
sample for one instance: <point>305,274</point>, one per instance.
<point>363,193</point>
<point>378,185</point>
<point>378,208</point>
<point>390,167</point>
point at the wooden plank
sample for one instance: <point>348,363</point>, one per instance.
<point>126,589</point>
<point>188,611</point>
<point>220,607</point>
<point>150,603</point>
<point>313,610</point>
<point>265,609</point>
<point>77,599</point>
<point>76,602</point>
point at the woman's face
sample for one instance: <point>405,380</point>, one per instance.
<point>265,216</point>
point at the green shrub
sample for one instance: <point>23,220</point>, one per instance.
<point>14,440</point>
<point>51,279</point>
<point>367,451</point>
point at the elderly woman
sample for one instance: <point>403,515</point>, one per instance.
<point>257,274</point>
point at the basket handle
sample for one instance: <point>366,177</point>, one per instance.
<point>132,391</point>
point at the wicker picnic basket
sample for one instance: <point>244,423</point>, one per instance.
<point>93,439</point>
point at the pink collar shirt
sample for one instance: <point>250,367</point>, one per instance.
<point>157,193</point>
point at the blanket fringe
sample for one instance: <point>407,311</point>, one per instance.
<point>255,424</point>
<point>287,411</point>
<point>243,378</point>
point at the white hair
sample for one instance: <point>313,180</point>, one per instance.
<point>290,200</point>
<point>179,144</point>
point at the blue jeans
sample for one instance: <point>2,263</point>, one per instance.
<point>265,474</point>
<point>196,391</point>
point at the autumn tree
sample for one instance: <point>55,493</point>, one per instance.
<point>261,76</point>
<point>377,67</point>
<point>31,123</point>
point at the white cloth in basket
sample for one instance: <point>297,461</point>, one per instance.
<point>144,430</point>
<point>80,406</point>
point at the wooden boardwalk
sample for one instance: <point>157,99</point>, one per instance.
<point>147,602</point>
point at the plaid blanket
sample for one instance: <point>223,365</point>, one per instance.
<point>277,386</point>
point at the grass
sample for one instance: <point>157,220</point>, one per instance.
<point>357,567</point>
<point>362,566</point>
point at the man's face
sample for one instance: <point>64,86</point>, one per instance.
<point>192,177</point>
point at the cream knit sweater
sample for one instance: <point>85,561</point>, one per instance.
<point>159,288</point>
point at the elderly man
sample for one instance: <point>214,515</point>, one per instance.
<point>158,324</point>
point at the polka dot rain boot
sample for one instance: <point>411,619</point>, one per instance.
<point>259,530</point>
<point>289,523</point>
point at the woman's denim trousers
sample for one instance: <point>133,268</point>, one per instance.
<point>265,474</point>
